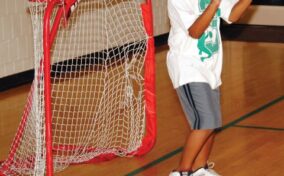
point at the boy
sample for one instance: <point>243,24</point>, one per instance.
<point>194,63</point>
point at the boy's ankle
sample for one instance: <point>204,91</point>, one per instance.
<point>198,166</point>
<point>180,169</point>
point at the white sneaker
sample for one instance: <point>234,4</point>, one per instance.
<point>213,172</point>
<point>177,173</point>
<point>202,172</point>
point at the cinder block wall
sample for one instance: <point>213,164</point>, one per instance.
<point>161,22</point>
<point>16,42</point>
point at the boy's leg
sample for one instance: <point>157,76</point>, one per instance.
<point>193,146</point>
<point>203,155</point>
<point>202,109</point>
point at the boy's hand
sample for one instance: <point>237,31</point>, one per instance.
<point>215,2</point>
<point>203,21</point>
<point>239,8</point>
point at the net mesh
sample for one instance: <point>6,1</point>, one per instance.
<point>97,89</point>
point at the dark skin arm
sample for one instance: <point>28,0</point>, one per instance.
<point>203,21</point>
<point>239,8</point>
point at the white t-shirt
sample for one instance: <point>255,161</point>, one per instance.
<point>195,60</point>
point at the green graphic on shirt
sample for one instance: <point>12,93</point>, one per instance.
<point>208,44</point>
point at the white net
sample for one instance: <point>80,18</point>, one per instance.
<point>97,87</point>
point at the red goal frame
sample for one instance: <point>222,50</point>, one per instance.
<point>49,34</point>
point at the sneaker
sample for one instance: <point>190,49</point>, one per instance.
<point>202,172</point>
<point>210,166</point>
<point>178,173</point>
<point>213,172</point>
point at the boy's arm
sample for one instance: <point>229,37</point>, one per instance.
<point>238,9</point>
<point>204,20</point>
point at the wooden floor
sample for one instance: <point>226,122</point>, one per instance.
<point>251,144</point>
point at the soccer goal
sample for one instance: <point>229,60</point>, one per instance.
<point>93,94</point>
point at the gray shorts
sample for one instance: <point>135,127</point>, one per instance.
<point>201,105</point>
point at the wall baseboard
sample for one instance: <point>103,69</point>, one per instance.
<point>253,33</point>
<point>268,2</point>
<point>161,39</point>
<point>235,32</point>
<point>16,80</point>
<point>242,32</point>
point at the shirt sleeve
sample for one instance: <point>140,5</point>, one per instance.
<point>181,13</point>
<point>226,7</point>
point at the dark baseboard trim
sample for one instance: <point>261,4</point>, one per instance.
<point>161,39</point>
<point>16,80</point>
<point>268,2</point>
<point>67,66</point>
<point>242,32</point>
<point>253,33</point>
<point>235,32</point>
<point>27,77</point>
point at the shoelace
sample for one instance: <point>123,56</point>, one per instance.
<point>184,173</point>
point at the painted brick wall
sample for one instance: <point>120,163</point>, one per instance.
<point>16,41</point>
<point>16,45</point>
<point>161,22</point>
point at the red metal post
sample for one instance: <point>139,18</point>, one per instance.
<point>150,88</point>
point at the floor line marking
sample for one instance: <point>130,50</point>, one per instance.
<point>164,157</point>
<point>230,124</point>
<point>234,122</point>
<point>259,127</point>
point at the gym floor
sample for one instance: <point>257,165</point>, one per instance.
<point>252,139</point>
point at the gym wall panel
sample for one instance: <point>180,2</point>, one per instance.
<point>161,22</point>
<point>264,15</point>
<point>16,43</point>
